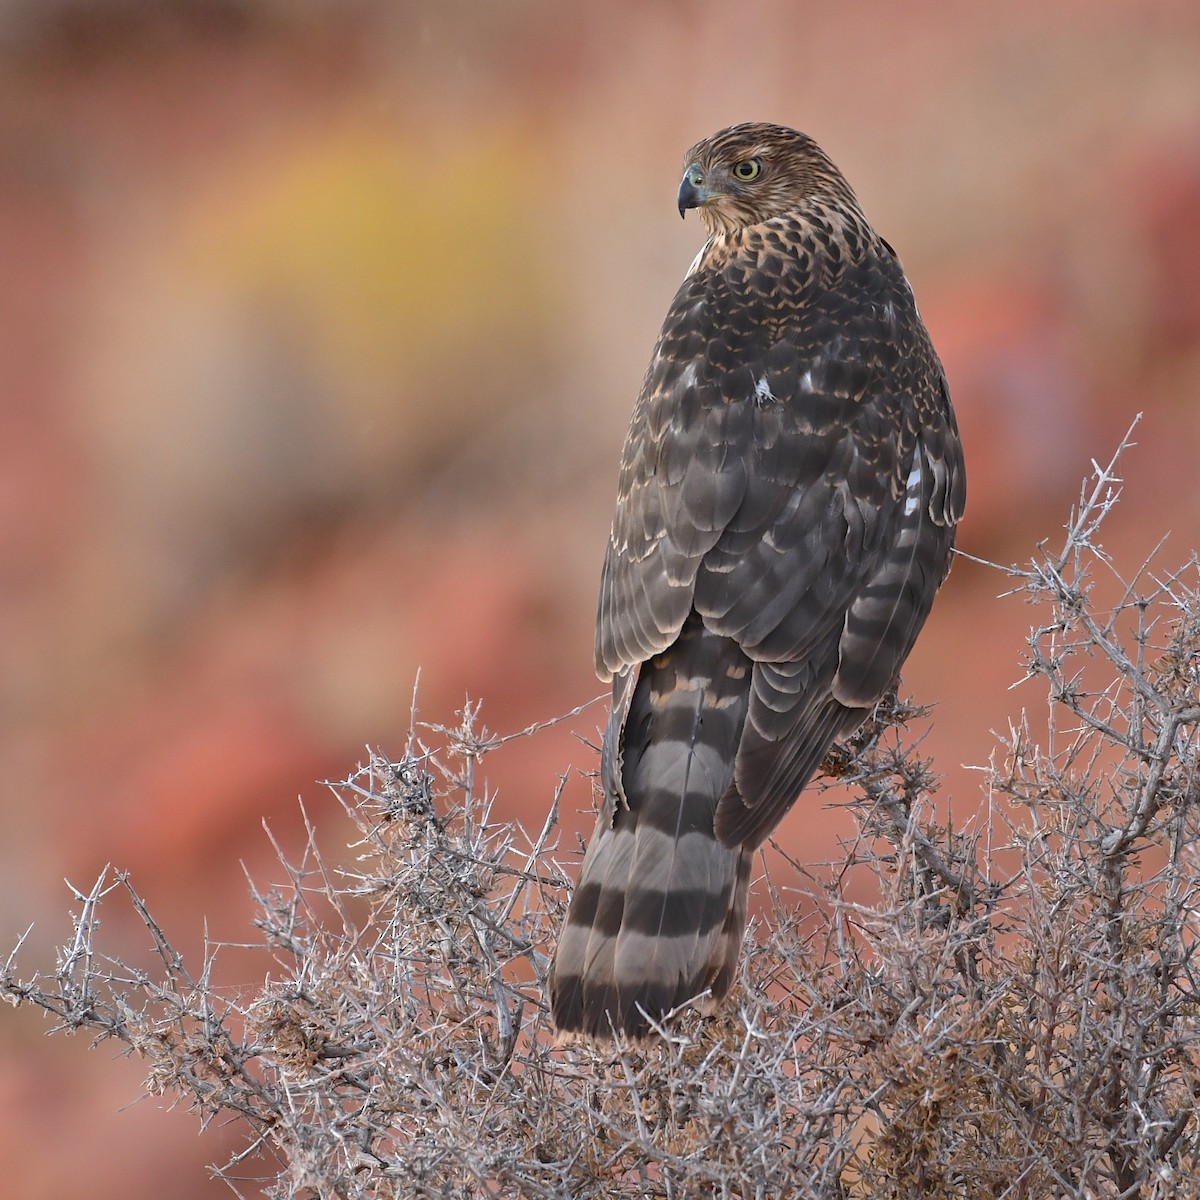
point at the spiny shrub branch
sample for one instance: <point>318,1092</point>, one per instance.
<point>1015,1015</point>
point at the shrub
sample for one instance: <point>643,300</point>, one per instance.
<point>1015,1017</point>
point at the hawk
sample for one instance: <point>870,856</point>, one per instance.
<point>786,508</point>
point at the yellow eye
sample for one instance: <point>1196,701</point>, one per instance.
<point>749,169</point>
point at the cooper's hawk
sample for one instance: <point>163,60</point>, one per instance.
<point>787,503</point>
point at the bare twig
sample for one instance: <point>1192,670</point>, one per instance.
<point>1016,1015</point>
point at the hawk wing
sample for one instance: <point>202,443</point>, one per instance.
<point>793,474</point>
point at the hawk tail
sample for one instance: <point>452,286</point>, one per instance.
<point>658,916</point>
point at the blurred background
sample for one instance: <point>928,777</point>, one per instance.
<point>320,326</point>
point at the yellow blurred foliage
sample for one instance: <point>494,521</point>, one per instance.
<point>391,257</point>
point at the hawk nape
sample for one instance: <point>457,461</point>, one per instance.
<point>786,508</point>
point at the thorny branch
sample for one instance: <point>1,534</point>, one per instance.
<point>1016,1015</point>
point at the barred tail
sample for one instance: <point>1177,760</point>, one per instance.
<point>660,908</point>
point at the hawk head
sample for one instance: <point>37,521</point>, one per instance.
<point>752,172</point>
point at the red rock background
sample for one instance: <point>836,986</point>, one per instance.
<point>319,330</point>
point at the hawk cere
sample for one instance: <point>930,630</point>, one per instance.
<point>786,509</point>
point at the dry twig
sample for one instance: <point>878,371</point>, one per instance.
<point>1016,1017</point>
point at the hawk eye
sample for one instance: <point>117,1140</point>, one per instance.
<point>748,169</point>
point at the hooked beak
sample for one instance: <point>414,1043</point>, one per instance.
<point>692,192</point>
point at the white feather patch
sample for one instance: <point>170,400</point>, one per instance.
<point>912,489</point>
